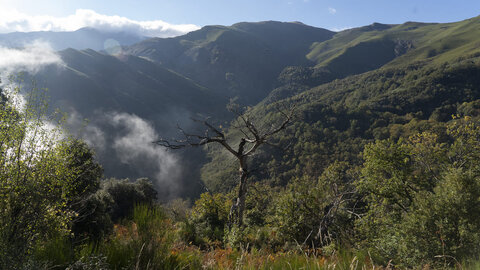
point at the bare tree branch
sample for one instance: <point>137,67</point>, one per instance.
<point>252,139</point>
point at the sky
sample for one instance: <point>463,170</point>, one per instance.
<point>158,17</point>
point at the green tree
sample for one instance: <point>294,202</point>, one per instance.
<point>423,195</point>
<point>35,181</point>
<point>207,219</point>
<point>318,211</point>
<point>125,194</point>
<point>85,199</point>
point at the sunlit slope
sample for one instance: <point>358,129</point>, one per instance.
<point>366,48</point>
<point>337,119</point>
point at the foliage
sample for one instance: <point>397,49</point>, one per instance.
<point>90,220</point>
<point>318,212</point>
<point>208,219</point>
<point>93,221</point>
<point>141,242</point>
<point>36,179</point>
<point>50,191</point>
<point>125,194</point>
<point>337,119</point>
<point>414,202</point>
<point>422,196</point>
<point>297,259</point>
<point>90,263</point>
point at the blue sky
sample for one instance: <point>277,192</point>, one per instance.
<point>329,14</point>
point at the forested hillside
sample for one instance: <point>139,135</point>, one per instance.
<point>365,145</point>
<point>164,82</point>
<point>283,144</point>
<point>337,118</point>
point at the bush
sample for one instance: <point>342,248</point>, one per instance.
<point>423,197</point>
<point>36,179</point>
<point>314,211</point>
<point>207,220</point>
<point>125,194</point>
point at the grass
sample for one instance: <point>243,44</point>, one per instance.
<point>434,43</point>
<point>261,259</point>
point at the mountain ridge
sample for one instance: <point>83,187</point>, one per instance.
<point>83,38</point>
<point>344,81</point>
<point>234,53</point>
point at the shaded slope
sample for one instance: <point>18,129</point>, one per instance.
<point>242,60</point>
<point>129,102</point>
<point>91,80</point>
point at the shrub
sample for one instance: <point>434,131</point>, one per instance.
<point>207,220</point>
<point>422,196</point>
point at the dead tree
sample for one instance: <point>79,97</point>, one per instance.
<point>252,138</point>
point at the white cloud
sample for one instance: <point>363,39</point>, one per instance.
<point>124,145</point>
<point>12,21</point>
<point>134,146</point>
<point>339,29</point>
<point>31,58</point>
<point>332,11</point>
<point>92,134</point>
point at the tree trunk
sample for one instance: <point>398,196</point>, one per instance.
<point>242,191</point>
<point>236,212</point>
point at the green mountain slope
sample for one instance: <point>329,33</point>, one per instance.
<point>378,46</point>
<point>366,48</point>
<point>351,87</point>
<point>336,119</point>
<point>242,60</point>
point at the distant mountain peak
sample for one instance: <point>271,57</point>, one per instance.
<point>83,38</point>
<point>379,26</point>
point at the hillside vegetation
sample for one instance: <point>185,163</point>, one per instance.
<point>378,169</point>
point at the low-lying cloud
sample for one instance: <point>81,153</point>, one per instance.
<point>92,134</point>
<point>14,21</point>
<point>135,147</point>
<point>123,142</point>
<point>31,58</point>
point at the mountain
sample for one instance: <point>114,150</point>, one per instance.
<point>377,46</point>
<point>84,38</point>
<point>90,80</point>
<point>129,102</point>
<point>380,153</point>
<point>367,48</point>
<point>350,88</point>
<point>140,83</point>
<point>418,77</point>
<point>242,60</point>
